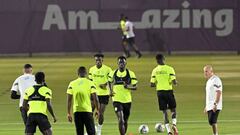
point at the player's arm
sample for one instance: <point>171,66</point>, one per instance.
<point>96,103</point>
<point>130,86</point>
<point>218,88</point>
<point>14,95</point>
<point>153,79</point>
<point>14,90</point>
<point>103,86</point>
<point>110,84</point>
<point>174,82</point>
<point>127,27</point>
<point>133,85</point>
<point>152,85</point>
<point>218,95</point>
<point>90,74</point>
<point>69,106</point>
<point>25,104</point>
<point>50,109</point>
<point>25,100</point>
<point>173,76</point>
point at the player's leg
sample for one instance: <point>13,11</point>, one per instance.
<point>31,125</point>
<point>79,125</point>
<point>43,124</point>
<point>126,114</point>
<point>103,100</point>
<point>172,106</point>
<point>47,132</point>
<point>89,123</point>
<point>212,119</point>
<point>24,115</point>
<point>101,114</point>
<point>125,46</point>
<point>135,48</point>
<point>163,107</point>
<point>118,108</point>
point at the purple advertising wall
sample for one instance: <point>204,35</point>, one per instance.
<point>91,25</point>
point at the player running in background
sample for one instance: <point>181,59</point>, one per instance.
<point>122,27</point>
<point>99,75</point>
<point>37,101</point>
<point>122,82</point>
<point>79,92</point>
<point>131,36</point>
<point>163,77</point>
<point>20,85</point>
<point>213,97</point>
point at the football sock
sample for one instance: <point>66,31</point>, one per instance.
<point>174,122</point>
<point>168,127</point>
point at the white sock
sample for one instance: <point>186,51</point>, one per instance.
<point>174,121</point>
<point>168,128</point>
<point>99,127</point>
<point>215,134</point>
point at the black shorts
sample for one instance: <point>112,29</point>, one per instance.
<point>82,119</point>
<point>131,40</point>
<point>166,100</point>
<point>124,107</point>
<point>213,116</point>
<point>124,38</point>
<point>103,99</point>
<point>37,119</point>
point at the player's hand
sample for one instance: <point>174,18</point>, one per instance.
<point>112,94</point>
<point>69,116</point>
<point>103,86</point>
<point>204,111</point>
<point>214,108</point>
<point>125,85</point>
<point>54,119</point>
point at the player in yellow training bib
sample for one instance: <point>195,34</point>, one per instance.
<point>98,74</point>
<point>163,77</point>
<point>122,82</point>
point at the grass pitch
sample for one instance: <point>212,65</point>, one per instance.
<point>190,93</point>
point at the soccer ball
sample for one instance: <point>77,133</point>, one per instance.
<point>143,129</point>
<point>159,127</point>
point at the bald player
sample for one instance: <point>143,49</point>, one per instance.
<point>213,97</point>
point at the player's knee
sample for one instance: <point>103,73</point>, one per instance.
<point>211,122</point>
<point>101,116</point>
<point>121,121</point>
<point>47,132</point>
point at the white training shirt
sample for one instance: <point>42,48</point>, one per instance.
<point>21,84</point>
<point>129,26</point>
<point>213,84</point>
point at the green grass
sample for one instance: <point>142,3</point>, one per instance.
<point>190,93</point>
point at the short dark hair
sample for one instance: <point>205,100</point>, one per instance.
<point>160,57</point>
<point>81,69</point>
<point>99,55</point>
<point>26,66</point>
<point>122,58</point>
<point>126,18</point>
<point>40,77</point>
